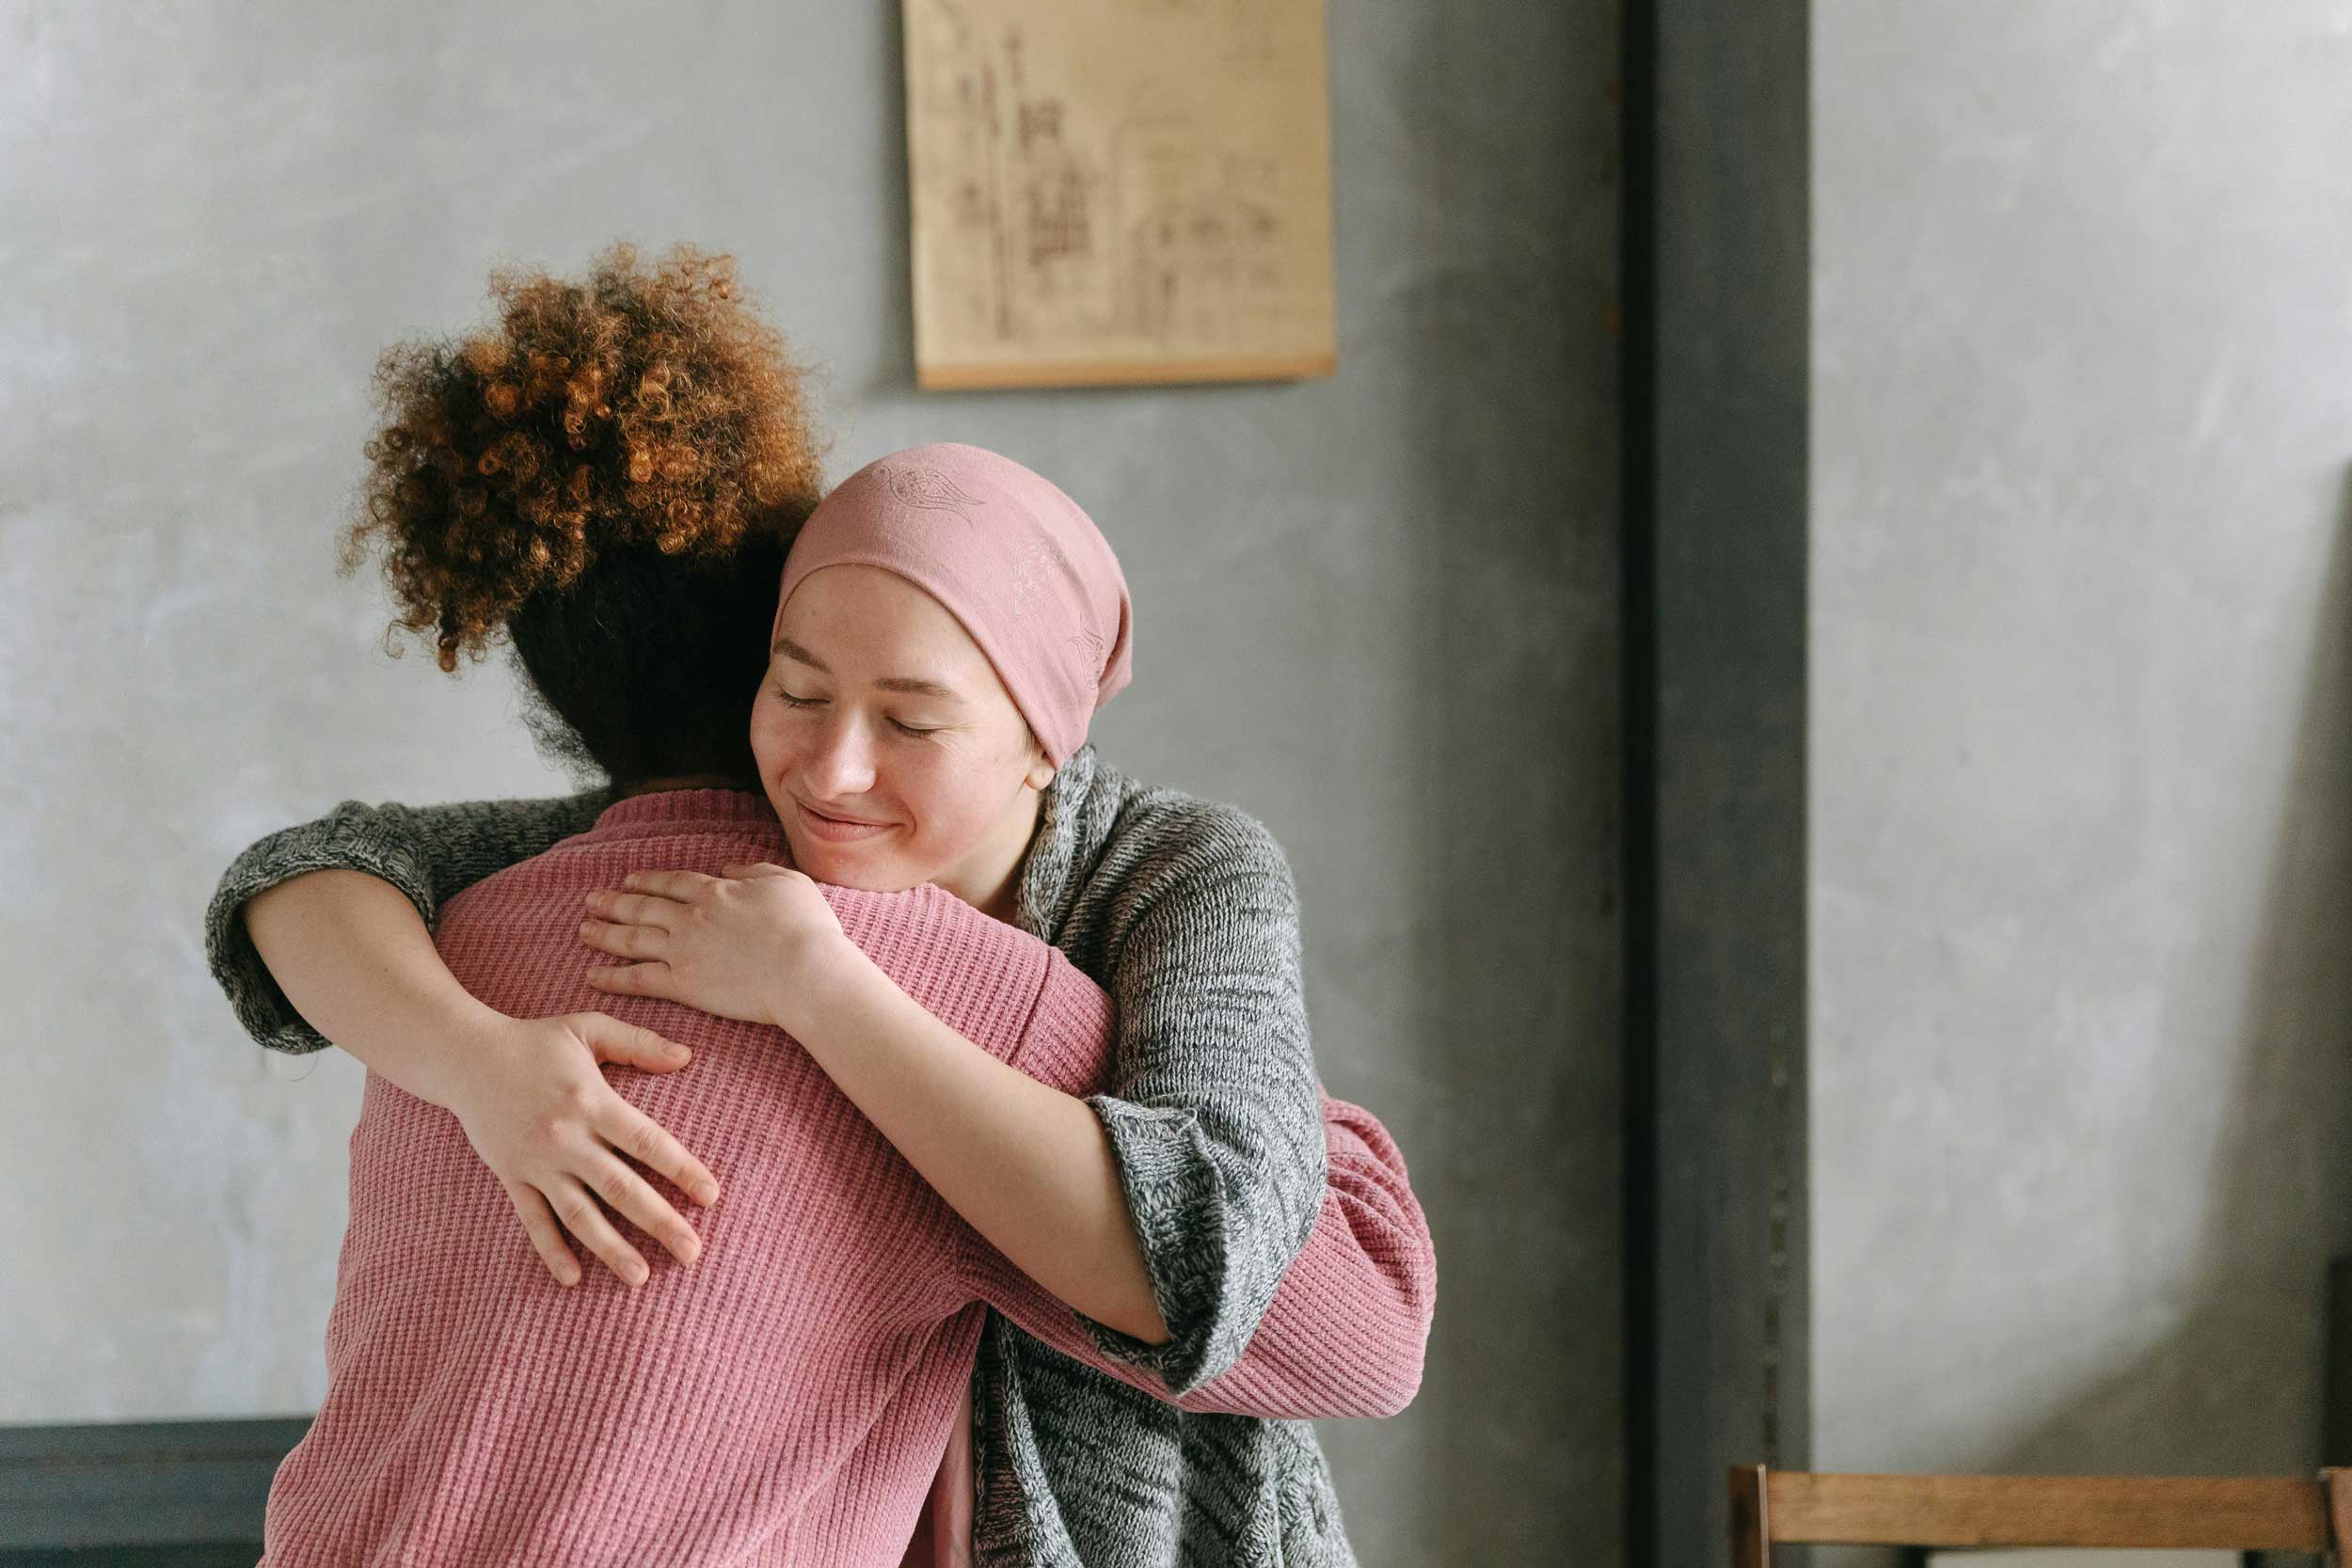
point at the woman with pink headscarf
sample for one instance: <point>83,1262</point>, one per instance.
<point>947,622</point>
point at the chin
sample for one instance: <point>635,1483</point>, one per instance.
<point>820,863</point>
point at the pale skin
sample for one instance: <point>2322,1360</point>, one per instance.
<point>880,708</point>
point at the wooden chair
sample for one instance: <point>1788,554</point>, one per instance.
<point>2235,1512</point>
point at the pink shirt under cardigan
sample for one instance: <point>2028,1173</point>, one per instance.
<point>794,1397</point>
<point>942,1531</point>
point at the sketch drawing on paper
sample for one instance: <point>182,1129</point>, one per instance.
<point>1120,190</point>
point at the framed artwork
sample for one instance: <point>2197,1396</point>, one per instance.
<point>1119,191</point>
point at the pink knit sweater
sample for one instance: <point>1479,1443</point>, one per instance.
<point>791,1398</point>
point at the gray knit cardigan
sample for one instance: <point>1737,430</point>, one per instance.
<point>1184,911</point>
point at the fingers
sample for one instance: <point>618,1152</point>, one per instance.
<point>591,1182</point>
<point>628,942</point>
<point>581,1215</point>
<point>679,885</point>
<point>647,1142</point>
<point>632,908</point>
<point>610,1040</point>
<point>629,1194</point>
<point>648,979</point>
<point>539,1224</point>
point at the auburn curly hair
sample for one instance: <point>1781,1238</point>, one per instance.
<point>612,475</point>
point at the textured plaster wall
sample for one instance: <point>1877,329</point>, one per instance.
<point>2082,733</point>
<point>1377,611</point>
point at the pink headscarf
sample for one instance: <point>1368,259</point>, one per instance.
<point>1012,557</point>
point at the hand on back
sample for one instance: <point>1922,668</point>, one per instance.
<point>560,1138</point>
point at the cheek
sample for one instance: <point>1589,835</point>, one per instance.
<point>953,800</point>
<point>925,782</point>
<point>772,730</point>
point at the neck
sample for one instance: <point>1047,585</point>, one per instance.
<point>990,880</point>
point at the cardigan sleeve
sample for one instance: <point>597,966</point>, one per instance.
<point>429,852</point>
<point>1346,1333</point>
<point>1348,1326</point>
<point>1213,1110</point>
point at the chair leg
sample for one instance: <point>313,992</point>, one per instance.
<point>1751,1524</point>
<point>2338,1484</point>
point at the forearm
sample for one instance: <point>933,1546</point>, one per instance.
<point>427,852</point>
<point>1349,1324</point>
<point>1346,1333</point>
<point>358,962</point>
<point>1026,1165</point>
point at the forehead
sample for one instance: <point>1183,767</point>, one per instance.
<point>873,626</point>
<point>868,606</point>
<point>920,686</point>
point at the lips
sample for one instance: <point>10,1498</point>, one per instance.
<point>845,821</point>
<point>836,830</point>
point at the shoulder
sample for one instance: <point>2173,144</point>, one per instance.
<point>1165,847</point>
<point>1172,828</point>
<point>494,845</point>
<point>460,842</point>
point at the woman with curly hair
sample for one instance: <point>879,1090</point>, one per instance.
<point>1186,1265</point>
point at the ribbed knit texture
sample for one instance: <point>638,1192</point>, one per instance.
<point>1289,1257</point>
<point>477,1411</point>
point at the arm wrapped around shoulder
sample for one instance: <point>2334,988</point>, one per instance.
<point>1213,1110</point>
<point>430,853</point>
<point>1348,1328</point>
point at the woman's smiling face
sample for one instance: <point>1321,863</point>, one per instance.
<point>889,745</point>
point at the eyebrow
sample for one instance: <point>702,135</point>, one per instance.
<point>913,684</point>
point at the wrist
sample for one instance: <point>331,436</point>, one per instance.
<point>435,1061</point>
<point>826,984</point>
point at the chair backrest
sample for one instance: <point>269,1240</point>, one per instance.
<point>2282,1513</point>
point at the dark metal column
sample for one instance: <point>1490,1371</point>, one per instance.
<point>1716,371</point>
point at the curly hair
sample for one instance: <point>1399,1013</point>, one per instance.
<point>613,456</point>
<point>641,407</point>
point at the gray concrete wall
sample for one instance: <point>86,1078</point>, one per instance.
<point>1377,611</point>
<point>2081,1110</point>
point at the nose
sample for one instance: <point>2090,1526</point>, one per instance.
<point>842,764</point>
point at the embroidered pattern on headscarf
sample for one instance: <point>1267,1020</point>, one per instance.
<point>926,489</point>
<point>1028,571</point>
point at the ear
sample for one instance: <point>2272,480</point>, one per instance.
<point>1041,770</point>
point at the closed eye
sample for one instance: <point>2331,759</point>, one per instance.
<point>790,701</point>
